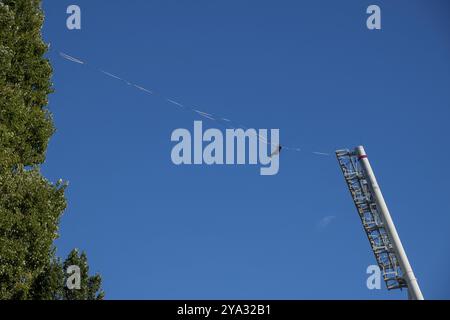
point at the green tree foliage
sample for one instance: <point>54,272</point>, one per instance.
<point>25,123</point>
<point>90,288</point>
<point>51,285</point>
<point>30,205</point>
<point>30,208</point>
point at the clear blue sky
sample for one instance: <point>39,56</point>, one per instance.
<point>310,68</point>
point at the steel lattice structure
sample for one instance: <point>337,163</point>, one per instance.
<point>370,217</point>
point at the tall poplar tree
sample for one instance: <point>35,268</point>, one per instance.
<point>30,205</point>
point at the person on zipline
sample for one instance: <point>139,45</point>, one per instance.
<point>276,151</point>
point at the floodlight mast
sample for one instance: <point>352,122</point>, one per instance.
<point>377,222</point>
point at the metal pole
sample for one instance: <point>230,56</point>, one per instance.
<point>414,292</point>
